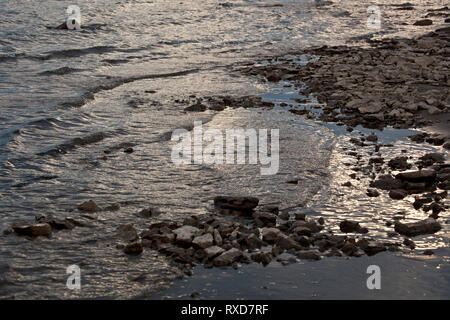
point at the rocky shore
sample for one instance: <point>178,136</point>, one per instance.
<point>397,83</point>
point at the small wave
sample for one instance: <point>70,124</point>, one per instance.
<point>72,144</point>
<point>59,71</point>
<point>73,53</point>
<point>33,180</point>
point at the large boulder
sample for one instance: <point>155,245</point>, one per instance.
<point>426,226</point>
<point>426,175</point>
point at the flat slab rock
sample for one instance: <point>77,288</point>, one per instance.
<point>236,203</point>
<point>417,176</point>
<point>426,226</point>
<point>228,257</point>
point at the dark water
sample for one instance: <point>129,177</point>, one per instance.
<point>65,97</point>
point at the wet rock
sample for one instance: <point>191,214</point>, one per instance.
<point>321,221</point>
<point>351,226</point>
<point>372,193</point>
<point>228,257</point>
<point>409,243</point>
<point>134,248</point>
<point>89,206</point>
<point>33,230</point>
<point>398,194</point>
<point>386,182</point>
<point>127,232</point>
<point>265,219</point>
<point>113,207</point>
<point>372,138</point>
<point>303,231</point>
<point>308,255</point>
<point>213,252</point>
<point>371,247</point>
<point>253,242</point>
<point>311,225</point>
<point>286,243</point>
<point>284,215</point>
<point>427,226</point>
<point>423,22</point>
<point>399,163</point>
<point>428,252</point>
<point>262,257</point>
<point>150,212</point>
<point>184,235</point>
<point>419,202</point>
<point>236,203</point>
<point>203,241</point>
<point>350,249</point>
<point>270,234</point>
<point>300,216</point>
<point>217,237</point>
<point>417,176</point>
<point>55,223</point>
<point>198,107</point>
<point>128,150</point>
<point>431,158</point>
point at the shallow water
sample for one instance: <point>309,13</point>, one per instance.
<point>116,83</point>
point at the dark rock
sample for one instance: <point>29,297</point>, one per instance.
<point>89,206</point>
<point>198,107</point>
<point>399,163</point>
<point>371,247</point>
<point>33,230</point>
<point>236,203</point>
<point>262,257</point>
<point>308,255</point>
<point>150,212</point>
<point>228,257</point>
<point>417,176</point>
<point>423,22</point>
<point>398,194</point>
<point>409,243</point>
<point>426,226</point>
<point>372,193</point>
<point>386,182</point>
<point>265,218</point>
<point>351,226</point>
<point>127,232</point>
<point>134,248</point>
<point>185,234</point>
<point>203,241</point>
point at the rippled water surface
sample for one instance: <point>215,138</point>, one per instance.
<point>65,97</point>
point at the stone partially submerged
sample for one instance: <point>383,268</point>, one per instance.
<point>413,229</point>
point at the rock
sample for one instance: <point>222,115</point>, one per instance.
<point>423,22</point>
<point>311,225</point>
<point>33,230</point>
<point>198,107</point>
<point>350,249</point>
<point>270,234</point>
<point>185,234</point>
<point>228,257</point>
<point>321,221</point>
<point>417,176</point>
<point>284,215</point>
<point>426,226</point>
<point>203,241</point>
<point>372,193</point>
<point>236,203</point>
<point>253,242</point>
<point>55,223</point>
<point>265,219</point>
<point>303,231</point>
<point>127,232</point>
<point>89,206</point>
<point>308,255</point>
<point>431,158</point>
<point>113,207</point>
<point>134,248</point>
<point>300,216</point>
<point>428,252</point>
<point>372,138</point>
<point>398,194</point>
<point>217,237</point>
<point>371,247</point>
<point>150,212</point>
<point>351,226</point>
<point>128,150</point>
<point>262,257</point>
<point>213,252</point>
<point>386,182</point>
<point>399,163</point>
<point>370,108</point>
<point>286,243</point>
<point>409,243</point>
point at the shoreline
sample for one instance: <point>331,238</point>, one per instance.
<point>300,235</point>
